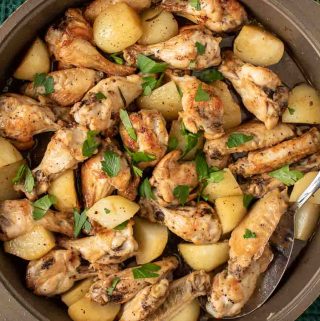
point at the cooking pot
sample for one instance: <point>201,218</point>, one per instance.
<point>297,23</point>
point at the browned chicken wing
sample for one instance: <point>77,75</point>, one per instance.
<point>182,292</point>
<point>128,286</point>
<point>217,15</point>
<point>71,43</point>
<point>261,89</point>
<point>21,118</point>
<point>202,110</point>
<point>181,52</point>
<point>308,164</point>
<point>99,109</point>
<point>146,301</point>
<point>70,85</point>
<point>271,158</point>
<point>16,219</point>
<point>260,224</point>
<point>97,6</point>
<point>171,172</point>
<point>196,223</point>
<point>151,133</point>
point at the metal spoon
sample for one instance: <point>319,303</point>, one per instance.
<point>285,249</point>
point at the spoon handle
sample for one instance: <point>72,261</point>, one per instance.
<point>311,189</point>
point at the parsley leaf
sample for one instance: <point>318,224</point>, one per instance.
<point>138,157</point>
<point>215,176</point>
<point>237,139</point>
<point>24,174</point>
<point>80,221</point>
<point>193,64</point>
<point>151,83</point>
<point>201,49</point>
<point>208,75</point>
<point>146,271</point>
<point>90,145</point>
<point>173,143</point>
<point>179,91</point>
<point>121,226</point>
<point>195,4</point>
<point>106,210</point>
<point>181,192</point>
<point>42,205</point>
<point>291,110</point>
<point>191,139</point>
<point>201,94</point>
<point>124,116</point>
<point>111,164</point>
<point>137,171</point>
<point>145,190</point>
<point>247,199</point>
<point>202,166</point>
<point>47,82</point>
<point>116,59</point>
<point>100,96</point>
<point>149,66</point>
<point>249,234</point>
<point>114,283</point>
<point>286,176</point>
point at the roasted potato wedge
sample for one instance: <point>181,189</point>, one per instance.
<point>77,292</point>
<point>9,154</point>
<point>190,312</point>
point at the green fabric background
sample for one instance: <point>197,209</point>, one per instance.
<point>8,6</point>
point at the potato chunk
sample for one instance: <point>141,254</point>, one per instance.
<point>165,99</point>
<point>190,312</point>
<point>227,187</point>
<point>117,28</point>
<point>231,211</point>
<point>303,106</point>
<point>36,61</point>
<point>32,245</point>
<point>300,186</point>
<point>113,210</point>
<point>258,46</point>
<point>87,310</point>
<point>64,189</point>
<point>158,26</point>
<point>77,292</point>
<point>9,154</point>
<point>152,239</point>
<point>204,257</point>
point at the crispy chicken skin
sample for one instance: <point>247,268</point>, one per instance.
<point>22,117</point>
<point>128,287</point>
<point>102,113</point>
<point>204,114</point>
<point>261,89</point>
<point>97,6</point>
<point>180,52</point>
<point>146,301</point>
<point>181,293</point>
<point>271,158</point>
<point>106,246</point>
<point>217,15</point>
<point>152,135</point>
<point>217,149</point>
<point>171,172</point>
<point>70,85</point>
<point>197,223</point>
<point>229,294</point>
<point>261,220</point>
<point>70,41</point>
<point>16,219</point>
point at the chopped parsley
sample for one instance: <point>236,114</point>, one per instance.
<point>249,234</point>
<point>181,192</point>
<point>80,221</point>
<point>114,283</point>
<point>145,189</point>
<point>208,75</point>
<point>111,164</point>
<point>237,139</point>
<point>146,271</point>
<point>44,81</point>
<point>91,144</point>
<point>125,119</point>
<point>149,66</point>
<point>24,175</point>
<point>42,205</point>
<point>201,95</point>
<point>286,176</point>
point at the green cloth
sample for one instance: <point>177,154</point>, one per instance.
<point>8,6</point>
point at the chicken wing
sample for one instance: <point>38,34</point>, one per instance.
<point>169,173</point>
<point>97,6</point>
<point>182,292</point>
<point>202,110</point>
<point>229,294</point>
<point>145,302</point>
<point>16,219</point>
<point>260,224</point>
<point>308,164</point>
<point>106,247</point>
<point>71,43</point>
<point>152,135</point>
<point>21,118</point>
<point>197,223</point>
<point>271,158</point>
<point>128,286</point>
<point>70,85</point>
<point>217,149</point>
<point>181,51</point>
<point>99,109</point>
<point>217,15</point>
<point>261,89</point>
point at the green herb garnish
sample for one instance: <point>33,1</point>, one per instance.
<point>195,4</point>
<point>215,175</point>
<point>287,176</point>
<point>42,205</point>
<point>45,81</point>
<point>237,139</point>
<point>201,49</point>
<point>121,226</point>
<point>116,59</point>
<point>173,143</point>
<point>90,145</point>
<point>114,283</point>
<point>145,190</point>
<point>291,110</point>
<point>201,95</point>
<point>151,83</point>
<point>100,96</point>
<point>208,76</point>
<point>202,166</point>
<point>106,210</point>
<point>249,234</point>
<point>111,164</point>
<point>146,271</point>
<point>137,171</point>
<point>247,199</point>
<point>24,175</point>
<point>124,116</point>
<point>80,221</point>
<point>181,192</point>
<point>149,66</point>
